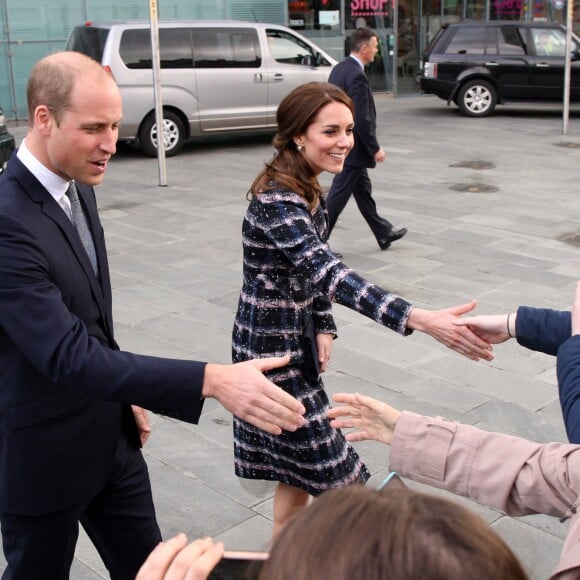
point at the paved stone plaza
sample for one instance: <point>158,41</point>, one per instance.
<point>512,238</point>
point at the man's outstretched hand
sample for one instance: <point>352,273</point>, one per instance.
<point>244,391</point>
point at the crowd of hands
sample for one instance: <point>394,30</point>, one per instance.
<point>271,409</point>
<point>366,417</point>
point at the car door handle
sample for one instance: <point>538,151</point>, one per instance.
<point>258,77</point>
<point>277,77</point>
<point>542,65</point>
<point>492,63</point>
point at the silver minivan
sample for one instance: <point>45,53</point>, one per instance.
<point>216,76</point>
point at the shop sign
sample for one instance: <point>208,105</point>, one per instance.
<point>508,7</point>
<point>369,7</point>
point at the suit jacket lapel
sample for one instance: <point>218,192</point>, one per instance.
<point>53,211</point>
<point>56,213</point>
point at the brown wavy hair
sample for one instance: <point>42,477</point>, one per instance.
<point>288,168</point>
<point>359,533</point>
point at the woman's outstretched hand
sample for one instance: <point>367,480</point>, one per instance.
<point>441,325</point>
<point>371,418</point>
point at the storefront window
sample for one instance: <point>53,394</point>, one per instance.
<point>508,9</point>
<point>378,15</point>
<point>314,15</point>
<point>373,13</point>
<point>452,10</point>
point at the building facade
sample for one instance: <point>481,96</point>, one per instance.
<point>406,27</point>
<point>30,29</point>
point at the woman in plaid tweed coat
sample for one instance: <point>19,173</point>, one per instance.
<point>290,279</point>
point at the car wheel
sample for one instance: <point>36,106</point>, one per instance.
<point>477,98</point>
<point>173,134</point>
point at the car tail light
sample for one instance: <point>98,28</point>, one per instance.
<point>430,70</point>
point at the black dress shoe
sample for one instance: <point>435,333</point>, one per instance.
<point>394,235</point>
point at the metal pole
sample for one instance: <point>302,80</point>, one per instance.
<point>156,66</point>
<point>394,61</point>
<point>567,66</point>
<point>10,57</point>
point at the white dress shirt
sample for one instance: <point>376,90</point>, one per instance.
<point>54,184</point>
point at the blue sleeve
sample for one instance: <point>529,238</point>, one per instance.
<point>42,338</point>
<point>542,329</point>
<point>568,368</point>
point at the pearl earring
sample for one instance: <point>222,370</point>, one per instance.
<point>300,147</point>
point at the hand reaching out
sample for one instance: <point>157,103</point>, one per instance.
<point>492,327</point>
<point>441,325</point>
<point>174,560</point>
<point>371,418</point>
<point>244,391</point>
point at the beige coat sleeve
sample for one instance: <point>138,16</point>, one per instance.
<point>509,473</point>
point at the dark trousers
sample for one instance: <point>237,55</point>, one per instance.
<point>356,181</point>
<point>120,521</point>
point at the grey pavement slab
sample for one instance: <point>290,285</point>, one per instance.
<point>175,255</point>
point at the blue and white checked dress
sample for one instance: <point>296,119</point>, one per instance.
<point>290,274</point>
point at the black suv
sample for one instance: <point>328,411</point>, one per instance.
<point>6,143</point>
<point>480,64</point>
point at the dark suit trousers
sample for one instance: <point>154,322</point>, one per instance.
<point>356,181</point>
<point>120,521</point>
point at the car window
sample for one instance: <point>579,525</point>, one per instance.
<point>549,42</point>
<point>491,40</point>
<point>289,49</point>
<point>174,48</point>
<point>226,48</point>
<point>433,46</point>
<point>510,41</point>
<point>89,41</point>
<point>467,40</point>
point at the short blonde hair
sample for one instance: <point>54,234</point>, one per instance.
<point>53,78</point>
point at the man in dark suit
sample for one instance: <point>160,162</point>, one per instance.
<point>350,76</point>
<point>69,437</point>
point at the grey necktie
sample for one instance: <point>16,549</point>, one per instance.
<point>80,222</point>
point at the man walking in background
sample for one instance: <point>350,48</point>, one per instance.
<point>350,76</point>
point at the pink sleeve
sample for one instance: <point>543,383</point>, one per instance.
<point>509,473</point>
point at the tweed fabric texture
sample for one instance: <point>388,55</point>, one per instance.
<point>290,274</point>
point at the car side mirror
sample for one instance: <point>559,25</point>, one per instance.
<point>576,54</point>
<point>307,60</point>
